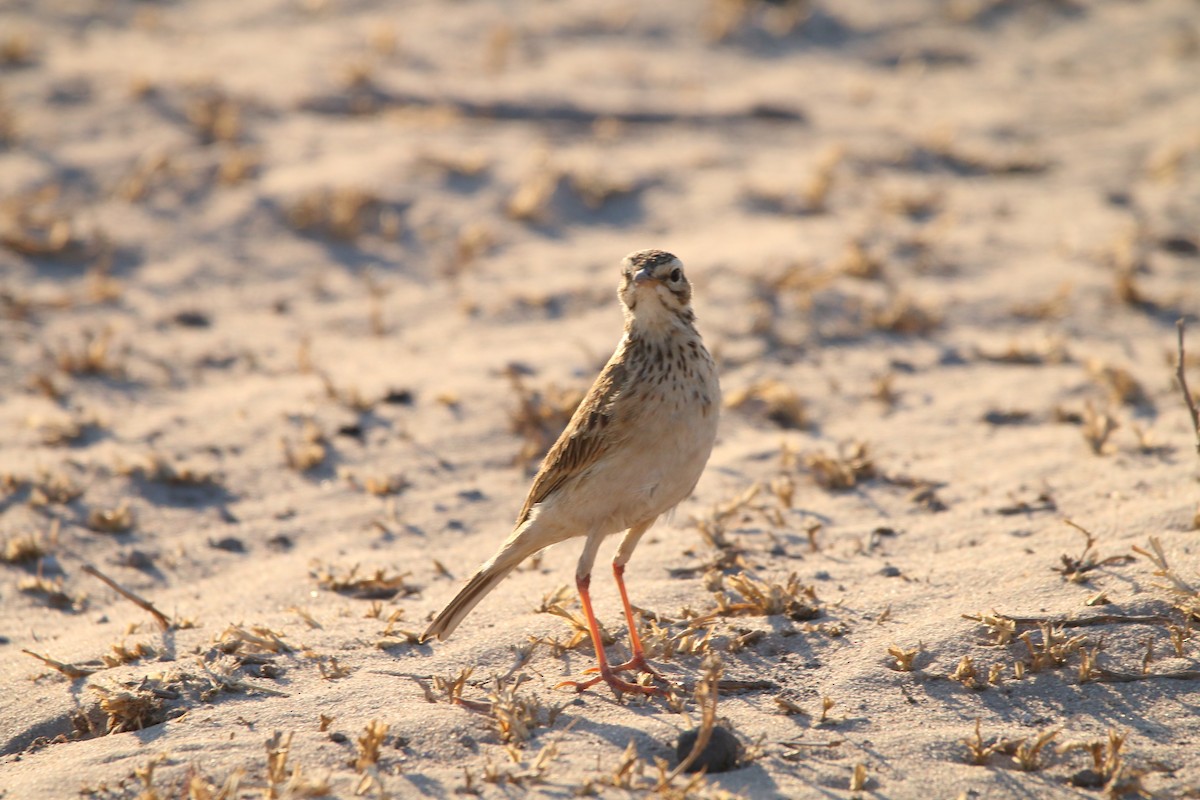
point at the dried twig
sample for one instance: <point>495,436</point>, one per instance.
<point>1187,395</point>
<point>159,617</point>
<point>706,697</point>
<point>1082,622</point>
<point>1111,676</point>
<point>70,670</point>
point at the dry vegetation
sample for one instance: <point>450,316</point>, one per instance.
<point>950,508</point>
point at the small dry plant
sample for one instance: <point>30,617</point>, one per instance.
<point>520,774</point>
<point>130,709</point>
<point>1049,351</point>
<point>29,547</point>
<point>309,451</point>
<point>1028,755</point>
<point>378,485</point>
<point>980,751</point>
<point>349,396</point>
<point>379,585</point>
<point>52,592</point>
<point>343,214</point>
<point>284,781</point>
<point>531,199</point>
<point>661,644</point>
<point>214,116</point>
<point>1098,426</point>
<point>904,316</point>
<point>157,469</point>
<point>1108,765</point>
<point>94,355</point>
<point>120,654</point>
<point>556,604</point>
<point>1075,568</point>
<point>111,520</point>
<point>903,660</point>
<point>1184,594</point>
<point>368,744</point>
<point>515,715</point>
<point>1053,650</point>
<point>851,465</point>
<point>366,762</point>
<point>512,714</point>
<point>774,400</point>
<point>237,640</point>
<point>858,778</point>
<point>53,488</point>
<point>767,598</point>
<point>540,416</point>
<point>38,223</point>
<point>58,431</point>
<point>1118,383</point>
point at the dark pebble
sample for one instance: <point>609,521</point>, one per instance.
<point>1180,245</point>
<point>280,542</point>
<point>137,559</point>
<point>721,754</point>
<point>399,397</point>
<point>1007,417</point>
<point>353,430</point>
<point>192,319</point>
<point>890,572</point>
<point>1088,779</point>
<point>229,544</point>
<point>339,738</point>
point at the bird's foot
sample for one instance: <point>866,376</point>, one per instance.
<point>636,664</point>
<point>615,682</point>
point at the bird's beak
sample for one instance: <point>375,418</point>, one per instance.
<point>643,277</point>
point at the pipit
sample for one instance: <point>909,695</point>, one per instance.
<point>634,449</point>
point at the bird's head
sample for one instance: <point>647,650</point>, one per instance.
<point>653,286</point>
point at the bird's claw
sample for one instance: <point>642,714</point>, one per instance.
<point>616,683</point>
<point>636,664</point>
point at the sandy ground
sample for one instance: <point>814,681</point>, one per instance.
<point>293,294</point>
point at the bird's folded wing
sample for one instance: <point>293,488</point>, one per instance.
<point>586,438</point>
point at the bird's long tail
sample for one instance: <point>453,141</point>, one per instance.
<point>482,582</point>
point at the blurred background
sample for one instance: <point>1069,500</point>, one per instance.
<point>289,286</point>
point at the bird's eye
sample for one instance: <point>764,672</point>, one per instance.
<point>676,274</point>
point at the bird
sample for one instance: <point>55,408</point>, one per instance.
<point>633,450</point>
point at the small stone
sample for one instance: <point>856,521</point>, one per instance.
<point>720,755</point>
<point>1180,245</point>
<point>229,544</point>
<point>399,397</point>
<point>137,559</point>
<point>280,542</point>
<point>353,430</point>
<point>1088,779</point>
<point>192,319</point>
<point>890,572</point>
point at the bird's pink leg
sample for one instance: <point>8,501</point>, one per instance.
<point>638,661</point>
<point>607,674</point>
